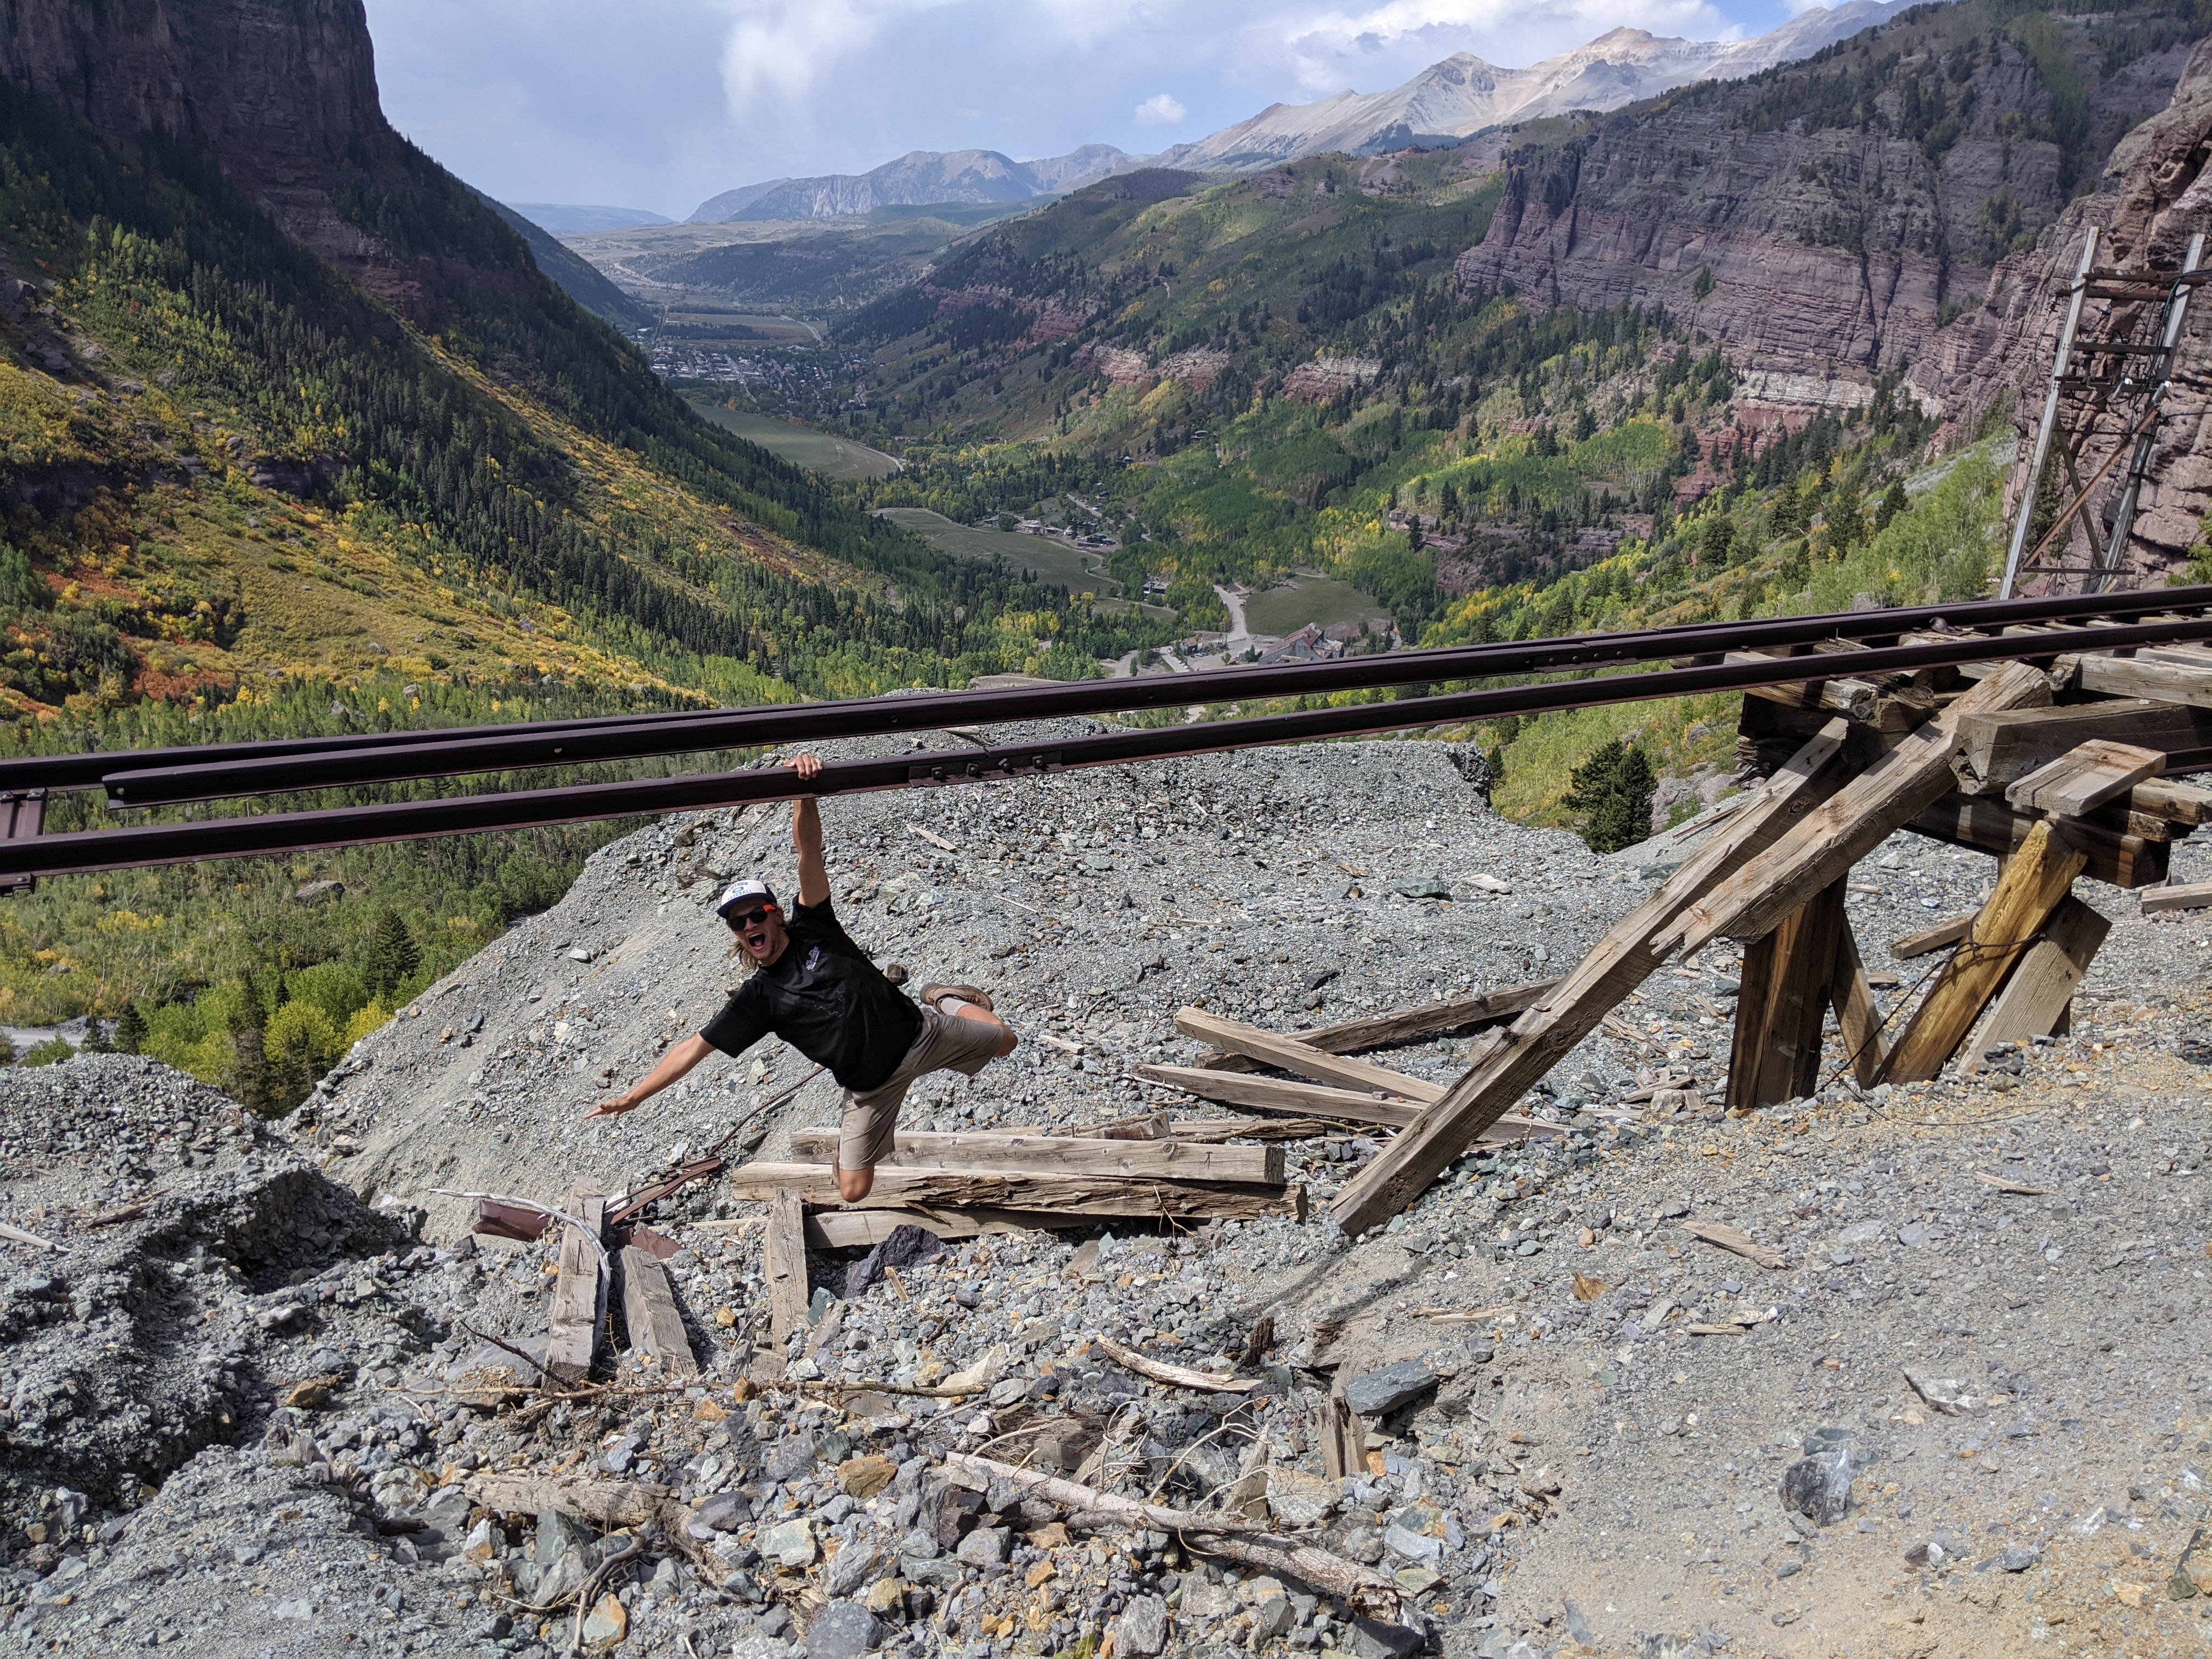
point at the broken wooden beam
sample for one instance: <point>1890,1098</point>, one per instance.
<point>2000,746</point>
<point>1065,1155</point>
<point>650,1313</point>
<point>2160,682</point>
<point>1023,1189</point>
<point>1989,825</point>
<point>1276,1094</point>
<point>579,1291</point>
<point>785,1264</point>
<point>2035,1000</point>
<point>1857,1016</point>
<point>1753,900</point>
<point>2032,885</point>
<point>1343,1436</point>
<point>1510,1061</point>
<point>1931,938</point>
<point>2192,896</point>
<point>1354,1037</point>
<point>2085,777</point>
<point>1405,1025</point>
<point>1285,1053</point>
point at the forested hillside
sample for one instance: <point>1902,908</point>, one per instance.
<point>1347,370</point>
<point>337,456</point>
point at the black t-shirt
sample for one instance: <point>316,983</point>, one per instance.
<point>827,1000</point>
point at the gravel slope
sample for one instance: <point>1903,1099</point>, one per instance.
<point>1565,1471</point>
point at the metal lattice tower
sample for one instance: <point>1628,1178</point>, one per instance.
<point>2114,366</point>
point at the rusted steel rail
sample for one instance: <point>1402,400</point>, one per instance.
<point>281,832</point>
<point>176,775</point>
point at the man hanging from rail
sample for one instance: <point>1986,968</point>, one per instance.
<point>812,987</point>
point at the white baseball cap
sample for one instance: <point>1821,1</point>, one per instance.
<point>737,892</point>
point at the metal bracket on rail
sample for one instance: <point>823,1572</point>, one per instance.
<point>22,815</point>
<point>982,771</point>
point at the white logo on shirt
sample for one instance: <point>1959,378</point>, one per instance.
<point>813,958</point>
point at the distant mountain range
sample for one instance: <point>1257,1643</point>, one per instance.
<point>919,177</point>
<point>1443,104</point>
<point>1462,95</point>
<point>571,219</point>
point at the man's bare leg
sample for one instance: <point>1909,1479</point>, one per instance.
<point>959,1010</point>
<point>852,1185</point>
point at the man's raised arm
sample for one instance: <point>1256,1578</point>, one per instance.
<point>807,837</point>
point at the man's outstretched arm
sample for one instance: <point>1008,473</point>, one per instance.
<point>806,836</point>
<point>674,1064</point>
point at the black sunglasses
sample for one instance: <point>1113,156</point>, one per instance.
<point>746,918</point>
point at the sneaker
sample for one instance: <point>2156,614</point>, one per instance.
<point>933,994</point>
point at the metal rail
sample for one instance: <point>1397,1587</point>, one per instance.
<point>173,777</point>
<point>85,851</point>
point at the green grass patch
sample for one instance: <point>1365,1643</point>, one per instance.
<point>1053,562</point>
<point>1303,599</point>
<point>822,453</point>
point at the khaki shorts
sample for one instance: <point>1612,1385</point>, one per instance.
<point>945,1044</point>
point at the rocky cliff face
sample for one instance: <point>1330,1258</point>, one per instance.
<point>2155,192</point>
<point>282,94</point>
<point>1818,219</point>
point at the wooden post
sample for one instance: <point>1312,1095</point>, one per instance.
<point>1856,1015</point>
<point>1343,1436</point>
<point>579,1294</point>
<point>1787,977</point>
<point>2034,884</point>
<point>785,1265</point>
<point>650,1313</point>
<point>2035,1001</point>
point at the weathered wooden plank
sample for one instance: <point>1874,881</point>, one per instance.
<point>1931,938</point>
<point>1343,1436</point>
<point>1512,1059</point>
<point>1296,1057</point>
<point>1857,1016</point>
<point>2001,745</point>
<point>650,1313</point>
<point>935,1189</point>
<point>1354,1036</point>
<point>1233,1089</point>
<point>1987,822</point>
<point>2034,1000</point>
<point>2174,801</point>
<point>1783,1004</point>
<point>2034,883</point>
<point>578,1291</point>
<point>2193,895</point>
<point>786,1263</point>
<point>2130,677</point>
<point>1753,900</point>
<point>1853,698</point>
<point>2084,777</point>
<point>1243,1089</point>
<point>1190,1161</point>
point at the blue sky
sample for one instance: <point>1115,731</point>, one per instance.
<point>660,104</point>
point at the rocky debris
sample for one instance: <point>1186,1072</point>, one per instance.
<point>2032,1232</point>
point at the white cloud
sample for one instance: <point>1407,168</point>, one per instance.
<point>785,47</point>
<point>1160,110</point>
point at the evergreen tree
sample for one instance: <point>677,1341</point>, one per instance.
<point>1612,790</point>
<point>130,1030</point>
<point>392,954</point>
<point>96,1039</point>
<point>249,1064</point>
